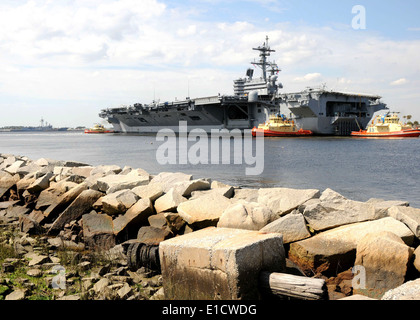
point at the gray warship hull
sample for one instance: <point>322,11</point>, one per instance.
<point>330,112</point>
<point>218,112</point>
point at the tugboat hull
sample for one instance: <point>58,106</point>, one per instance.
<point>270,133</point>
<point>397,134</point>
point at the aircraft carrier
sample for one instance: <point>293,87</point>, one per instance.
<point>254,100</point>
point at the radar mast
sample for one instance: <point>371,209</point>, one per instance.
<point>265,52</point>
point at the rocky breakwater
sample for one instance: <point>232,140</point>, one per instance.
<point>360,249</point>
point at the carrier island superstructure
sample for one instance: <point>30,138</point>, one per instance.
<point>254,100</point>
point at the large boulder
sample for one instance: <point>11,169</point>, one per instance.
<point>114,183</point>
<point>98,231</point>
<point>40,184</point>
<point>50,195</point>
<point>416,261</point>
<point>332,196</point>
<point>151,191</point>
<point>14,167</point>
<point>7,181</point>
<point>409,216</point>
<point>81,205</point>
<point>153,235</point>
<point>185,188</point>
<point>408,291</point>
<point>224,191</point>
<point>169,202</point>
<point>335,250</point>
<point>385,258</point>
<point>168,179</point>
<point>104,170</point>
<point>135,217</point>
<point>292,227</point>
<point>283,200</point>
<point>325,215</point>
<point>246,215</point>
<point>382,206</point>
<point>250,195</point>
<point>219,263</point>
<point>119,202</point>
<point>203,211</point>
<point>60,203</point>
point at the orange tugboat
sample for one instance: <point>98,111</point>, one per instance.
<point>388,126</point>
<point>279,126</point>
<point>98,128</point>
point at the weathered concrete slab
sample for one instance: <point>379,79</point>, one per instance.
<point>219,263</point>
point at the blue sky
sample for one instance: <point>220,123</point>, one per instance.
<point>65,60</point>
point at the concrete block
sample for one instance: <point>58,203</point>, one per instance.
<point>219,263</point>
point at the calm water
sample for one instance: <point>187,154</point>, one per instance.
<point>357,168</point>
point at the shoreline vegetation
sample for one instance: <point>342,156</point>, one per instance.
<point>72,231</point>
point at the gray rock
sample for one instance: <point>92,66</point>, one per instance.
<point>283,200</point>
<point>224,191</point>
<point>336,248</point>
<point>169,202</point>
<point>105,170</point>
<point>246,215</point>
<point>114,183</point>
<point>250,195</point>
<point>385,259</point>
<point>331,195</point>
<point>407,215</point>
<point>134,218</point>
<point>40,184</point>
<point>382,206</point>
<point>408,291</point>
<point>119,202</point>
<point>151,191</point>
<point>416,261</point>
<point>12,169</point>
<point>81,205</point>
<point>292,226</point>
<point>101,285</point>
<point>184,188</point>
<point>325,215</point>
<point>38,259</point>
<point>174,221</point>
<point>125,291</point>
<point>98,231</point>
<point>153,235</point>
<point>60,203</point>
<point>36,273</point>
<point>18,294</point>
<point>204,211</point>
<point>169,179</point>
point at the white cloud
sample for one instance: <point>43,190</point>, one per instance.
<point>309,77</point>
<point>399,82</point>
<point>103,53</point>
